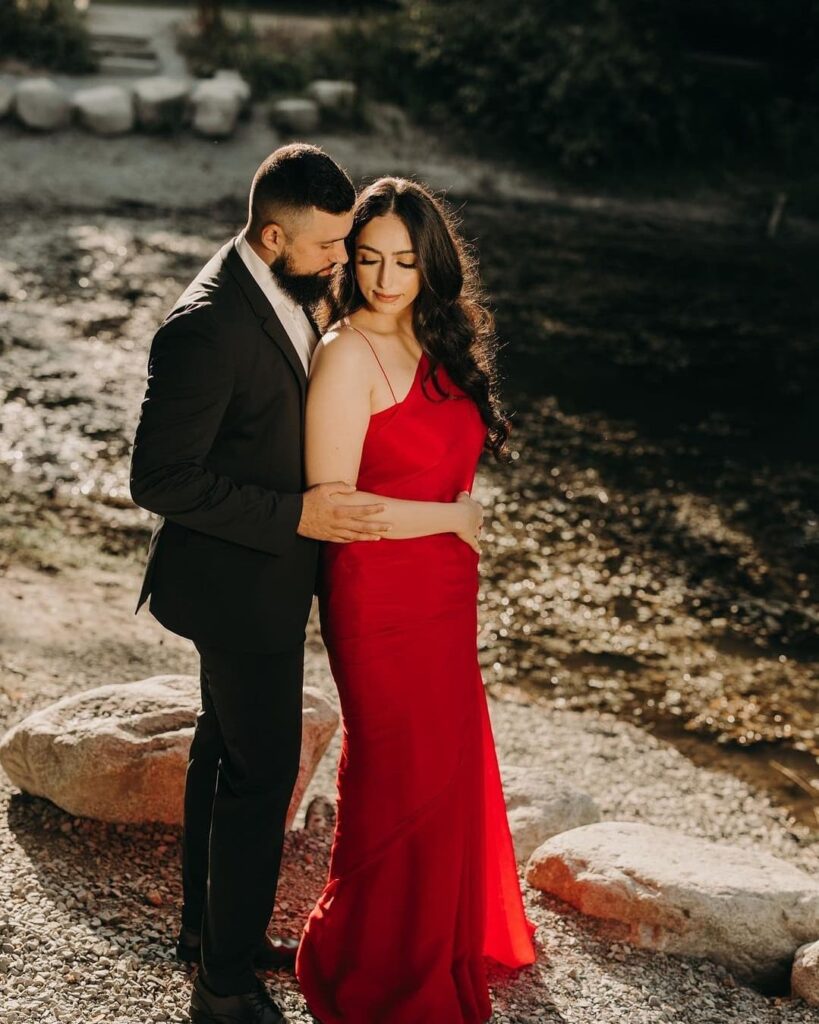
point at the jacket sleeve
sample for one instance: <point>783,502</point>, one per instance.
<point>190,384</point>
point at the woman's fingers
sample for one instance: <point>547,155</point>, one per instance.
<point>347,536</point>
<point>360,511</point>
<point>354,526</point>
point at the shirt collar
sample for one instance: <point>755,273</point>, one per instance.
<point>276,295</point>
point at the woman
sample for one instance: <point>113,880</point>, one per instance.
<point>402,401</point>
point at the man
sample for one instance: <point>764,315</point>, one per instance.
<point>232,561</point>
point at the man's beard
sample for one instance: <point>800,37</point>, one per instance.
<point>305,289</point>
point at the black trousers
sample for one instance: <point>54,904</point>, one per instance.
<point>242,768</point>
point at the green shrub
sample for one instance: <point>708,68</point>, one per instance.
<point>598,83</point>
<point>572,80</point>
<point>268,66</point>
<point>45,34</point>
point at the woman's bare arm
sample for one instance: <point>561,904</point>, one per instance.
<point>338,413</point>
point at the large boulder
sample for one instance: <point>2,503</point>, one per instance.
<point>216,104</point>
<point>805,973</point>
<point>40,103</point>
<point>742,908</point>
<point>162,103</point>
<point>539,805</point>
<point>119,752</point>
<point>105,109</point>
<point>295,115</point>
<point>338,97</point>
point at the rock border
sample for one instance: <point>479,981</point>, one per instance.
<point>210,107</point>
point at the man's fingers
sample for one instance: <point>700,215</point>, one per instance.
<point>340,487</point>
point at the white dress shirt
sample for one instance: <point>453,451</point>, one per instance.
<point>292,316</point>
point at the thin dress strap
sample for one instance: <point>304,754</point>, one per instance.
<point>364,336</point>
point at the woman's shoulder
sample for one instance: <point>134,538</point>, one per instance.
<point>342,344</point>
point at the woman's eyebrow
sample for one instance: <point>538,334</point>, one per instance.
<point>401,252</point>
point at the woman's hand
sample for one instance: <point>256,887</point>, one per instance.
<point>472,520</point>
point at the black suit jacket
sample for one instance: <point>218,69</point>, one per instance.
<point>218,454</point>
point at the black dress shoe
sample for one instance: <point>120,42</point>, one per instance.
<point>272,954</point>
<point>254,1007</point>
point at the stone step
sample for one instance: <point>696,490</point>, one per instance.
<point>124,65</point>
<point>124,54</point>
<point>114,41</point>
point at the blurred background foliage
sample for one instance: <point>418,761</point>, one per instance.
<point>583,85</point>
<point>270,62</point>
<point>595,82</point>
<point>45,34</point>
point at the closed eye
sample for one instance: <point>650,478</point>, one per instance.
<point>368,263</point>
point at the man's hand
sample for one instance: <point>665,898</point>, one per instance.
<point>473,520</point>
<point>324,519</point>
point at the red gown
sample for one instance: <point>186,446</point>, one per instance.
<point>422,881</point>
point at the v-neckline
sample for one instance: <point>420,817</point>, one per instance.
<point>401,401</point>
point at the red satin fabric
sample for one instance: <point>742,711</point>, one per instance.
<point>422,880</point>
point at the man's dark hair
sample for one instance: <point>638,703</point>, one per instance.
<point>293,179</point>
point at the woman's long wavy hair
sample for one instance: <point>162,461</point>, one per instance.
<point>450,317</point>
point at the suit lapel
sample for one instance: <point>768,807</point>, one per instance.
<point>273,327</point>
<point>271,324</point>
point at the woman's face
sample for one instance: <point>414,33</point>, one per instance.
<point>386,267</point>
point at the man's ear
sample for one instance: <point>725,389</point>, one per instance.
<point>272,239</point>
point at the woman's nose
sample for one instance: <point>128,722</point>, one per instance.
<point>384,275</point>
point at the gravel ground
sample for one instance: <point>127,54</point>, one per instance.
<point>89,910</point>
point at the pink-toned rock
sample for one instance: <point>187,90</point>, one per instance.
<point>119,752</point>
<point>805,973</point>
<point>745,909</point>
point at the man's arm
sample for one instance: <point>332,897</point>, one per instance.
<point>190,382</point>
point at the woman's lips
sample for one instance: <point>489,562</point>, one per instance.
<point>386,298</point>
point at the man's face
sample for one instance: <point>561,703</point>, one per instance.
<point>314,246</point>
